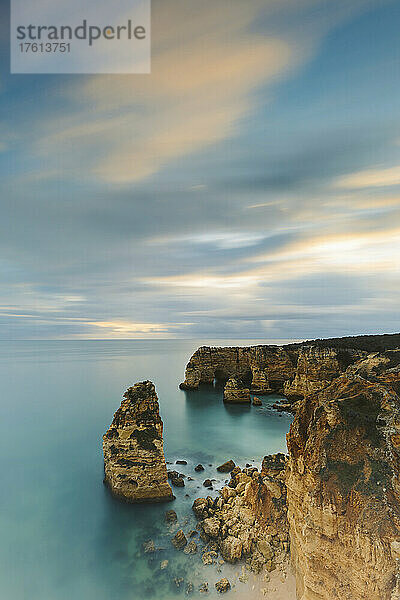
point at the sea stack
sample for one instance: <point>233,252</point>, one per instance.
<point>235,392</point>
<point>134,462</point>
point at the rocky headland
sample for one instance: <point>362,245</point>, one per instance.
<point>333,504</point>
<point>134,462</point>
<point>330,508</point>
<point>293,370</point>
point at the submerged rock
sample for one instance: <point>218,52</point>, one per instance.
<point>171,516</point>
<point>134,462</point>
<point>149,547</point>
<point>178,481</point>
<point>191,548</point>
<point>179,540</point>
<point>189,588</point>
<point>223,585</point>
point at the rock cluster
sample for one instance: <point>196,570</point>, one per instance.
<point>234,527</point>
<point>134,462</point>
<point>177,479</point>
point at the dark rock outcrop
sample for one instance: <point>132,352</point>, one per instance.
<point>134,462</point>
<point>227,467</point>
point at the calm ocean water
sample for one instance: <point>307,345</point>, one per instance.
<point>63,537</point>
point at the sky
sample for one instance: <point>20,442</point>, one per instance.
<point>248,188</point>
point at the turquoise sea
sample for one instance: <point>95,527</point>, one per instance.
<point>63,537</point>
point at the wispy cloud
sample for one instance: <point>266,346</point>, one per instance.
<point>121,329</point>
<point>205,75</point>
<point>371,178</point>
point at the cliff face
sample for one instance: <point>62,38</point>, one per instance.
<point>317,368</point>
<point>293,369</point>
<point>294,372</point>
<point>383,367</point>
<point>134,461</point>
<point>264,368</point>
<point>338,495</point>
<point>343,491</point>
<point>236,393</point>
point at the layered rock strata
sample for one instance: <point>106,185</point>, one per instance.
<point>293,369</point>
<point>235,392</point>
<point>267,369</point>
<point>134,462</point>
<point>343,491</point>
<point>337,497</point>
<point>264,368</point>
<point>316,368</point>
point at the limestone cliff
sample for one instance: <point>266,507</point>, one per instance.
<point>293,369</point>
<point>134,462</point>
<point>264,368</point>
<point>316,368</point>
<point>343,491</point>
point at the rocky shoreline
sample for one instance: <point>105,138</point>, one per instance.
<point>342,477</point>
<point>229,526</point>
<point>228,542</point>
<point>332,506</point>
